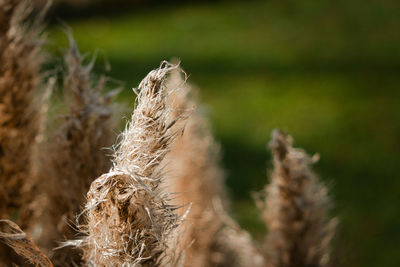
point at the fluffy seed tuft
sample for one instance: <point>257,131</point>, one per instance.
<point>129,217</point>
<point>296,209</point>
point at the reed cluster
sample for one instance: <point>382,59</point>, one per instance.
<point>158,198</point>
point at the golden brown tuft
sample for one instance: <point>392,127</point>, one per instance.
<point>194,176</point>
<point>20,100</point>
<point>197,180</point>
<point>75,154</point>
<point>129,218</point>
<point>20,77</point>
<point>296,209</point>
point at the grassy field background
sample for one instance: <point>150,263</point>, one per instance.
<point>327,72</point>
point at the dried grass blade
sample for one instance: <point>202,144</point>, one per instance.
<point>14,237</point>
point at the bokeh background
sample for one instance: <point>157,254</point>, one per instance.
<point>327,72</point>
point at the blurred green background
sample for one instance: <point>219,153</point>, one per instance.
<point>327,72</point>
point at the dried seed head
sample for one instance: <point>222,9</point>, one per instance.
<point>20,62</point>
<point>20,117</point>
<point>197,179</point>
<point>296,209</point>
<point>194,176</point>
<point>129,217</point>
<point>75,154</point>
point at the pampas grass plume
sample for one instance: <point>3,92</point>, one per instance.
<point>295,209</point>
<point>129,217</point>
<point>20,62</point>
<point>76,153</point>
<point>208,236</point>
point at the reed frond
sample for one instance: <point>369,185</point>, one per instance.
<point>295,209</point>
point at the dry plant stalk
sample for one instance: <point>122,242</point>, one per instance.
<point>296,209</point>
<point>75,154</point>
<point>196,178</point>
<point>20,77</point>
<point>129,217</point>
<point>14,237</point>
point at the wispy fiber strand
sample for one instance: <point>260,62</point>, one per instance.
<point>296,209</point>
<point>129,218</point>
<point>194,174</point>
<point>76,153</point>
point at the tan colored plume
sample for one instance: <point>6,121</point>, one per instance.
<point>75,154</point>
<point>129,218</point>
<point>20,79</point>
<point>197,180</point>
<point>295,209</point>
<point>21,97</point>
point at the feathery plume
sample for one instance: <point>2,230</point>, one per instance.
<point>295,209</point>
<point>194,176</point>
<point>20,79</point>
<point>21,60</point>
<point>129,217</point>
<point>75,154</point>
<point>197,180</point>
